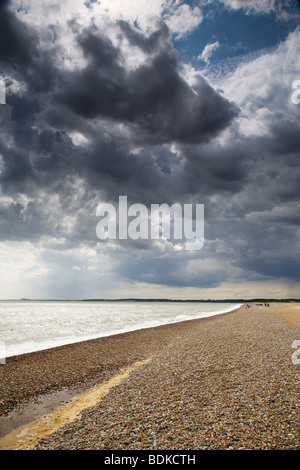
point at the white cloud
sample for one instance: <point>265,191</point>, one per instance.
<point>208,51</point>
<point>78,138</point>
<point>262,88</point>
<point>179,16</point>
<point>144,12</point>
<point>262,6</point>
<point>183,19</point>
<point>76,268</point>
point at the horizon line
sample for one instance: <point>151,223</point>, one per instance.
<point>136,299</point>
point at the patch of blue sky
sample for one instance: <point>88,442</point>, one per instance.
<point>239,37</point>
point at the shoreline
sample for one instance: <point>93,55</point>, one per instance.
<point>63,342</point>
<point>227,350</point>
<point>68,353</point>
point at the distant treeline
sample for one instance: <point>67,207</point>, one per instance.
<point>193,300</point>
<point>238,301</point>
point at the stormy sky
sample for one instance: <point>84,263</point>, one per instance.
<point>168,101</point>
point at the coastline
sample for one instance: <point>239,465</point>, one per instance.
<point>53,341</point>
<point>106,355</point>
<point>211,383</point>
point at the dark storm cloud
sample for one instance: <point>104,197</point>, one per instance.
<point>156,104</point>
<point>99,88</point>
<point>131,119</point>
<point>154,97</point>
<point>213,169</point>
<point>153,100</point>
<point>164,270</point>
<point>20,54</point>
<point>16,41</point>
<point>148,44</point>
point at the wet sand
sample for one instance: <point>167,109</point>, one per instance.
<point>224,382</point>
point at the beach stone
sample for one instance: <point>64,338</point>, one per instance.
<point>228,382</point>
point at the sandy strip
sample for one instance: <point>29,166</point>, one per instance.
<point>26,436</point>
<point>290,315</point>
<point>225,382</point>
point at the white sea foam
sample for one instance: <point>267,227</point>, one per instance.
<point>28,326</point>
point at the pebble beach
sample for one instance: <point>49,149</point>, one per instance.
<point>224,382</point>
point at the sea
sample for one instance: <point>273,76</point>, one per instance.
<point>28,326</point>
